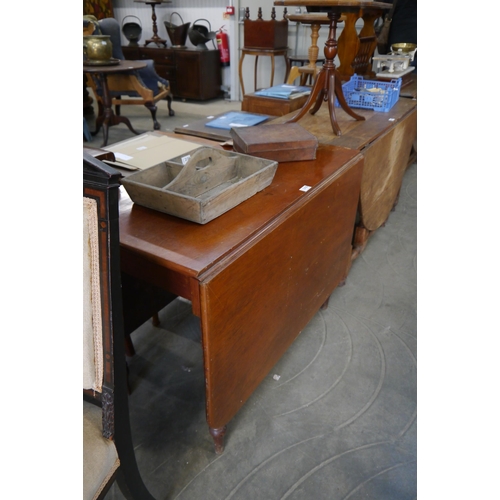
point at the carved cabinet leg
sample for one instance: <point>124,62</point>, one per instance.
<point>218,437</point>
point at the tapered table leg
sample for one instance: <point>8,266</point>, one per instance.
<point>218,436</point>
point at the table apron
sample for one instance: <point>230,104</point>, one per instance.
<point>181,284</point>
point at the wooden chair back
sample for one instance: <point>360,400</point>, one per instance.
<point>105,383</point>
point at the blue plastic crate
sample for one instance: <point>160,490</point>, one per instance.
<point>358,95</point>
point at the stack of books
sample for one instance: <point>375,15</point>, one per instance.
<point>285,91</point>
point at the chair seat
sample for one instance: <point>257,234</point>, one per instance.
<point>100,458</point>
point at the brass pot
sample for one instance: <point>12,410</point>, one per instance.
<point>403,47</point>
<point>97,48</point>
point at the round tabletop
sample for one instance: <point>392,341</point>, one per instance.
<point>309,18</point>
<point>115,68</point>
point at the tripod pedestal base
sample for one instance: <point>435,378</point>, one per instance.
<point>328,84</point>
<point>326,87</point>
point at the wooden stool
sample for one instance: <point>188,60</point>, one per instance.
<point>311,70</point>
<point>306,75</point>
<point>302,60</point>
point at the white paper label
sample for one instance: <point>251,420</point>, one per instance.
<point>121,156</point>
<point>185,159</point>
<point>305,188</point>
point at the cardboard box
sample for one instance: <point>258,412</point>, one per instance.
<point>148,149</point>
<point>280,142</point>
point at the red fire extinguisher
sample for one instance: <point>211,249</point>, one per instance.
<point>223,45</point>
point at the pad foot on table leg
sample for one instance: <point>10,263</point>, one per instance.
<point>218,437</point>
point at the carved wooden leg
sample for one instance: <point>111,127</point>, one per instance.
<point>323,94</point>
<point>317,89</point>
<point>241,74</point>
<point>331,104</point>
<point>255,73</point>
<point>272,70</point>
<point>294,74</point>
<point>218,437</point>
<point>152,108</point>
<point>171,112</point>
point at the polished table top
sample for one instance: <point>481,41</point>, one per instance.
<point>191,248</point>
<point>309,18</point>
<point>356,134</point>
<point>115,68</point>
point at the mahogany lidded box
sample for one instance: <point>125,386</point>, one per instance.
<point>278,142</point>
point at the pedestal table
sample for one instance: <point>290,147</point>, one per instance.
<point>328,85</point>
<point>108,118</point>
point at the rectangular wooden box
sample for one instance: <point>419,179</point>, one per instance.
<point>282,142</point>
<point>260,34</point>
<point>200,185</point>
<point>270,105</point>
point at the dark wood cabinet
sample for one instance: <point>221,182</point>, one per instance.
<point>193,74</point>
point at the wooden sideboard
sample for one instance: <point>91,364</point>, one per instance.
<point>193,74</point>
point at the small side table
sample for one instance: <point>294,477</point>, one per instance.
<point>262,52</point>
<point>108,118</point>
<point>155,38</point>
<point>328,84</point>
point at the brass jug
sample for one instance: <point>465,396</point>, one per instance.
<point>97,48</point>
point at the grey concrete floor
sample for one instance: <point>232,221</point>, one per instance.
<point>335,418</point>
<point>140,118</point>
